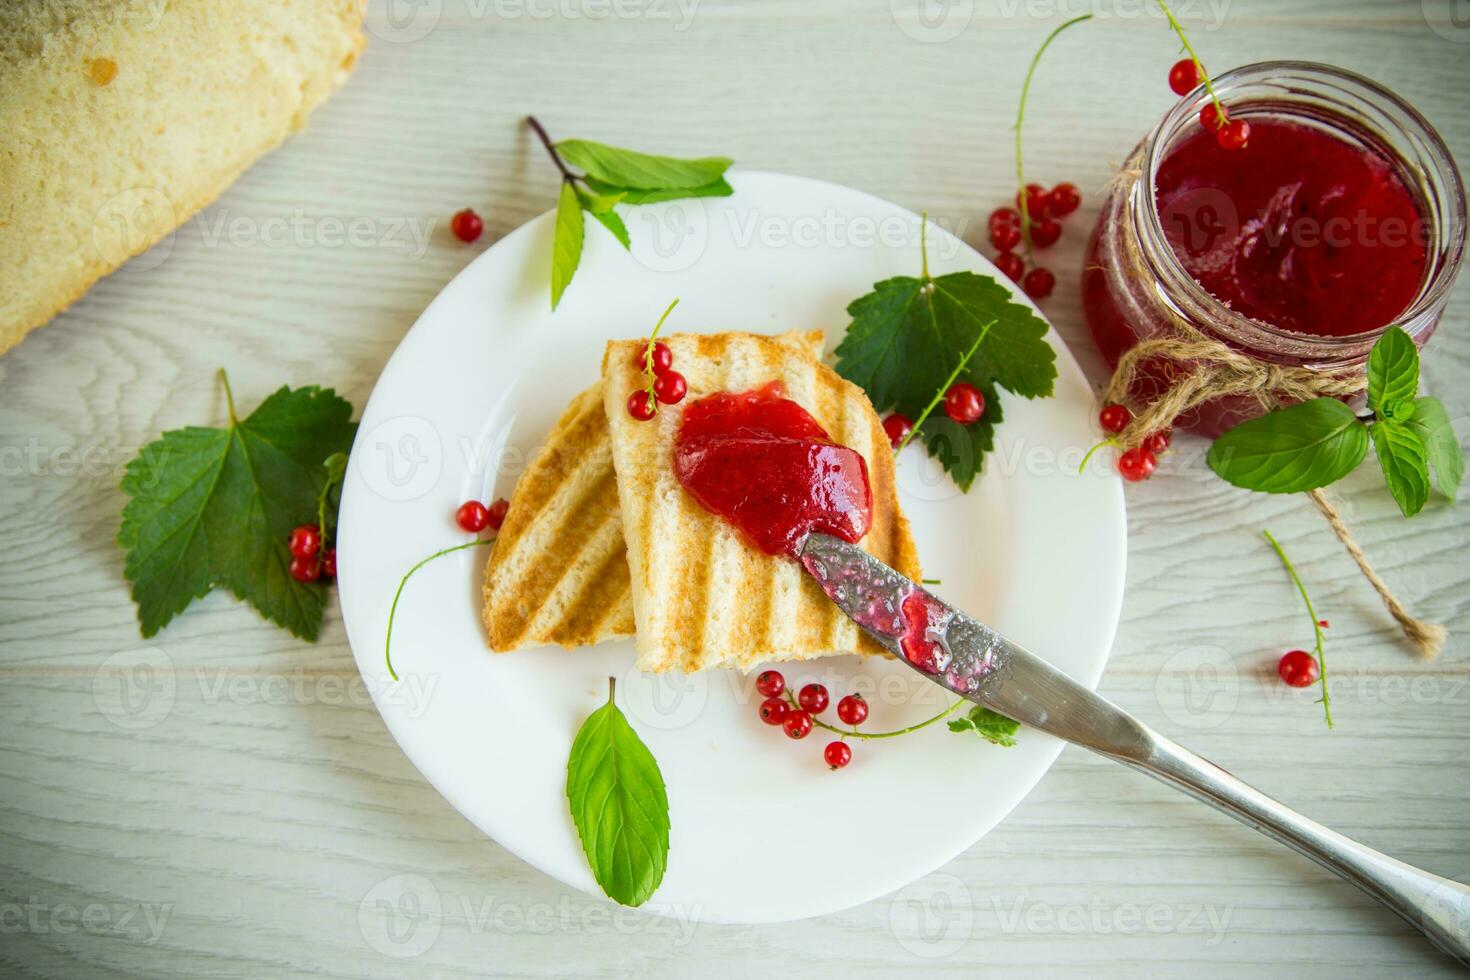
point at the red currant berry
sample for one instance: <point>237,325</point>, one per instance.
<point>1157,442</point>
<point>306,540</point>
<point>852,710</point>
<point>306,569</point>
<point>1003,216</point>
<point>663,358</point>
<point>1064,199</point>
<point>1322,623</point>
<point>472,516</point>
<point>898,428</point>
<point>796,723</point>
<point>640,406</point>
<point>964,403</point>
<point>1137,464</point>
<point>1298,668</point>
<point>770,683</point>
<point>1114,418</point>
<point>329,563</point>
<point>1234,135</point>
<point>1036,201</point>
<point>813,697</point>
<point>495,516</point>
<point>1184,76</point>
<point>1045,232</point>
<point>466,225</point>
<point>1010,265</point>
<point>1005,237</point>
<point>773,711</point>
<point>1209,117</point>
<point>837,755</point>
<point>670,387</point>
<point>1039,283</point>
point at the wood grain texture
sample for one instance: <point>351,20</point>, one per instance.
<point>264,822</point>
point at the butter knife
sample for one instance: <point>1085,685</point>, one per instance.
<point>974,661</point>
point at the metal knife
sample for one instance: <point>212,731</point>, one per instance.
<point>974,661</point>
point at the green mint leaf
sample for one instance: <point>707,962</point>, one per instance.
<point>1405,464</point>
<point>634,195</point>
<point>214,508</point>
<point>614,224</point>
<point>1441,445</point>
<point>598,203</point>
<point>1300,447</point>
<point>619,805</point>
<point>907,336</point>
<point>629,168</point>
<point>988,725</point>
<point>1393,369</point>
<point>566,249</point>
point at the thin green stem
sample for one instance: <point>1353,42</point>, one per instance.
<point>867,735</point>
<point>939,395</point>
<point>612,687</point>
<point>229,395</point>
<point>393,609</point>
<point>1021,116</point>
<point>1106,442</point>
<point>1325,700</point>
<point>924,245</point>
<point>648,375</point>
<point>1200,65</point>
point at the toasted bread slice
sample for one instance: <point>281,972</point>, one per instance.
<point>702,596</point>
<point>558,573</point>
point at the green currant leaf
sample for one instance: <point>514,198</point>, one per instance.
<point>961,449</point>
<point>995,728</point>
<point>1432,424</point>
<point>629,168</point>
<point>330,498</point>
<point>619,806</point>
<point>1393,370</point>
<point>566,249</point>
<point>614,224</point>
<point>212,508</point>
<point>1405,464</point>
<point>1301,447</point>
<point>634,195</point>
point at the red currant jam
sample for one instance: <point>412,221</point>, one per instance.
<point>762,462</point>
<point>1318,235</point>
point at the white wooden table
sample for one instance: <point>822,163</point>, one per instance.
<point>253,825</point>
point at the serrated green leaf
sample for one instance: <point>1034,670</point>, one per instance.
<point>1441,445</point>
<point>634,195</point>
<point>214,508</point>
<point>1393,369</point>
<point>619,806</point>
<point>613,223</point>
<point>330,497</point>
<point>598,203</point>
<point>631,169</point>
<point>566,249</point>
<point>995,728</point>
<point>1405,465</point>
<point>907,336</point>
<point>1301,447</point>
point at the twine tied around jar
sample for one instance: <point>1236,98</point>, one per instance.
<point>1207,369</point>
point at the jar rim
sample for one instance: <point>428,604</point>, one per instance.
<point>1436,167</point>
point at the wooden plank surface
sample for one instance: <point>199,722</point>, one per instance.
<point>256,820</point>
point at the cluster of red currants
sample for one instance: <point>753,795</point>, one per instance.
<point>1231,134</point>
<point>474,516</point>
<point>309,559</point>
<point>963,402</point>
<point>1008,229</point>
<point>1139,463</point>
<point>667,385</point>
<point>796,718</point>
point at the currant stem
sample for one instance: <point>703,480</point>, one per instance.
<point>566,174</point>
<point>648,375</point>
<point>939,395</point>
<point>393,609</point>
<point>1106,442</point>
<point>1316,622</point>
<point>229,395</point>
<point>867,735</point>
<point>1178,29</point>
<point>1020,116</point>
<point>924,245</point>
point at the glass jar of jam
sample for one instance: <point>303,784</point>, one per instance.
<point>1343,215</point>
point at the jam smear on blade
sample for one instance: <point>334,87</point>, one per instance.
<point>762,462</point>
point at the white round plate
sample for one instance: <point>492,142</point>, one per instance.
<point>1034,549</point>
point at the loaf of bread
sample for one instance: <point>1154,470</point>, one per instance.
<point>121,118</point>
